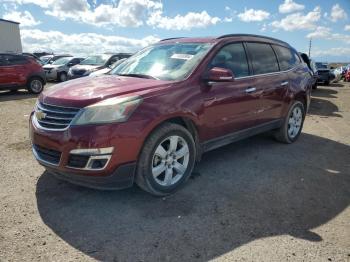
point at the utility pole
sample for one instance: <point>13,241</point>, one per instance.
<point>310,47</point>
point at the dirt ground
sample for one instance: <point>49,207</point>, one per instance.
<point>255,200</point>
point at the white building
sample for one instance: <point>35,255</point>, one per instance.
<point>10,37</point>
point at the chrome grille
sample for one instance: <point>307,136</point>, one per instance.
<point>54,117</point>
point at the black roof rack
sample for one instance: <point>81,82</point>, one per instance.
<point>251,35</point>
<point>172,38</point>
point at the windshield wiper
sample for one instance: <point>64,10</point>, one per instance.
<point>139,76</point>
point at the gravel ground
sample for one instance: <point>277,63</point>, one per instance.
<point>255,200</point>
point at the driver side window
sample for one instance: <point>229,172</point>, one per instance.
<point>233,57</point>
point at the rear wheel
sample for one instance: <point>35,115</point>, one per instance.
<point>35,85</point>
<point>293,124</point>
<point>167,160</point>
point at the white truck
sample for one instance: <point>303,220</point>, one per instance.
<point>10,37</point>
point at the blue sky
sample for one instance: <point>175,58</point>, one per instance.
<point>94,26</point>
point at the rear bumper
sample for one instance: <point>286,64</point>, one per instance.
<point>122,177</point>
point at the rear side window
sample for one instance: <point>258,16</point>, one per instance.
<point>3,62</point>
<point>232,57</point>
<point>286,58</point>
<point>263,58</point>
<point>16,60</point>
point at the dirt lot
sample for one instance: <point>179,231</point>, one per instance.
<point>255,200</point>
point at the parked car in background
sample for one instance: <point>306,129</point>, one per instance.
<point>21,71</point>
<point>94,63</point>
<point>311,65</point>
<point>58,70</point>
<point>347,76</point>
<point>151,121</point>
<point>323,73</point>
<point>337,74</point>
<point>49,59</point>
<point>107,69</point>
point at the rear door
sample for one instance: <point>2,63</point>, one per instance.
<point>18,70</point>
<point>230,106</point>
<point>270,80</point>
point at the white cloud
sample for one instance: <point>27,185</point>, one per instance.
<point>41,3</point>
<point>179,22</point>
<point>338,13</point>
<point>298,21</point>
<point>322,32</point>
<point>335,51</point>
<point>83,44</point>
<point>347,28</point>
<point>253,15</point>
<point>25,19</point>
<point>290,6</point>
<point>124,13</point>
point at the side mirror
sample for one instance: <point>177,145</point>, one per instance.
<point>70,64</point>
<point>218,74</point>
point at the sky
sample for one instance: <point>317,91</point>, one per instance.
<point>86,27</point>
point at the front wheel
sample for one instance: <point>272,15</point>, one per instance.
<point>292,125</point>
<point>167,160</point>
<point>62,77</point>
<point>35,85</point>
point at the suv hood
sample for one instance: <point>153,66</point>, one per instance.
<point>88,90</point>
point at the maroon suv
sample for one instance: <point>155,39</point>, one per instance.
<point>21,71</point>
<point>153,117</point>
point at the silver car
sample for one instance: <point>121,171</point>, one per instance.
<point>58,70</point>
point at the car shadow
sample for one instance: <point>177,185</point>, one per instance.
<point>324,92</point>
<point>246,191</point>
<point>323,107</point>
<point>19,95</point>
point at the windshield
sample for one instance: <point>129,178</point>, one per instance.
<point>95,60</point>
<point>45,58</point>
<point>61,61</point>
<point>171,62</point>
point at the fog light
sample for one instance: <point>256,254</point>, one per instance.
<point>98,163</point>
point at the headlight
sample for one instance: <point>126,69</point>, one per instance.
<point>108,111</point>
<point>89,71</point>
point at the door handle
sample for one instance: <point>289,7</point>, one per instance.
<point>284,83</point>
<point>250,90</point>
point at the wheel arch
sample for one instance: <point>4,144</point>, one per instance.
<point>187,122</point>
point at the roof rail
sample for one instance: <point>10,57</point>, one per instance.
<point>251,35</point>
<point>172,38</point>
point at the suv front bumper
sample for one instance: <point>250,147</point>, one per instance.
<point>59,146</point>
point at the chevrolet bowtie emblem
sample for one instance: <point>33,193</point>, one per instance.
<point>40,115</point>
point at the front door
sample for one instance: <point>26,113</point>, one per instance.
<point>230,106</point>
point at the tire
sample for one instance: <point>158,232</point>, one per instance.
<point>326,83</point>
<point>154,160</point>
<point>283,134</point>
<point>35,85</point>
<point>62,77</point>
<point>314,87</point>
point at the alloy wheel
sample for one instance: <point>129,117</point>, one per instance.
<point>295,121</point>
<point>170,160</point>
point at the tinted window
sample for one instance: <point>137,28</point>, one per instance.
<point>232,57</point>
<point>286,58</point>
<point>16,60</point>
<point>2,61</point>
<point>263,58</point>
